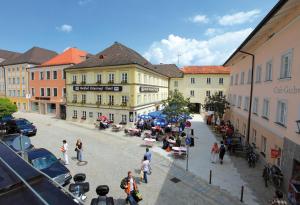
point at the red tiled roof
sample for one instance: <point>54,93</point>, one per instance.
<point>70,56</point>
<point>205,70</point>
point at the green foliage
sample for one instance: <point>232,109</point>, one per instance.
<point>176,105</point>
<point>6,107</point>
<point>216,103</point>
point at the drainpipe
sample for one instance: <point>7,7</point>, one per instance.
<point>251,94</point>
<point>4,77</point>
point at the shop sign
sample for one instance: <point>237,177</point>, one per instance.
<point>144,89</point>
<point>97,88</point>
<point>42,98</point>
<point>275,153</point>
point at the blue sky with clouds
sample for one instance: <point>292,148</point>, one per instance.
<point>200,32</point>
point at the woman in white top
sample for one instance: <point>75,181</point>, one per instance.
<point>145,168</point>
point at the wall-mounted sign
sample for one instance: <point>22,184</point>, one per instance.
<point>42,98</point>
<point>148,89</point>
<point>97,88</point>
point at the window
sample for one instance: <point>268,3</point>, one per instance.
<point>111,78</point>
<point>42,92</point>
<point>192,80</point>
<point>281,112</point>
<point>124,99</point>
<point>18,80</point>
<point>208,80</point>
<point>124,77</point>
<point>23,93</point>
<point>18,93</point>
<point>221,93</point>
<point>32,92</point>
<point>83,98</point>
<point>249,76</point>
<point>54,75</point>
<point>286,64</point>
<point>75,114</point>
<point>242,78</point>
<point>258,74</point>
<point>48,92</point>
<point>41,75</point>
<point>236,79</point>
<point>269,71</point>
<point>74,79</point>
<point>266,108</point>
<point>83,115</point>
<point>233,100</point>
<point>253,136</point>
<point>124,118</point>
<point>9,81</point>
<point>99,79</point>
<point>239,102</point>
<point>64,92</point>
<point>63,74</point>
<point>263,144</point>
<point>192,93</point>
<point>111,117</point>
<point>17,68</point>
<point>207,93</point>
<point>255,105</point>
<point>23,80</point>
<point>99,99</point>
<point>139,99</point>
<point>14,93</point>
<point>111,100</point>
<point>139,77</point>
<point>221,81</point>
<point>145,99</point>
<point>74,98</point>
<point>83,79</point>
<point>48,75</point>
<point>13,81</point>
<point>90,114</point>
<point>176,84</point>
<point>23,68</point>
<point>55,92</point>
<point>99,114</point>
<point>246,103</point>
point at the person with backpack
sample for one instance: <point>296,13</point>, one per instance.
<point>130,188</point>
<point>222,151</point>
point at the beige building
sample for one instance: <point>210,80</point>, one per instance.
<point>118,83</point>
<point>199,82</point>
<point>273,50</point>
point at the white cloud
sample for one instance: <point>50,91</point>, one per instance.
<point>239,17</point>
<point>213,51</point>
<point>199,19</point>
<point>84,2</point>
<point>213,31</point>
<point>65,28</point>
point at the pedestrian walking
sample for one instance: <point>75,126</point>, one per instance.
<point>78,149</point>
<point>148,154</point>
<point>214,153</point>
<point>145,168</point>
<point>222,152</point>
<point>64,150</point>
<point>130,187</point>
<point>278,199</point>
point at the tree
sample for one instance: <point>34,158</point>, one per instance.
<point>217,103</point>
<point>6,107</point>
<point>176,105</point>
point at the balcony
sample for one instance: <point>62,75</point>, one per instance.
<point>110,82</point>
<point>74,82</point>
<point>124,82</point>
<point>83,83</point>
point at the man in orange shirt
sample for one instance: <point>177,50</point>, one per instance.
<point>130,189</point>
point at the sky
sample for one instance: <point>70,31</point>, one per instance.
<point>188,32</point>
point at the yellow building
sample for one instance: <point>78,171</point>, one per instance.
<point>199,82</point>
<point>117,83</point>
<point>16,75</point>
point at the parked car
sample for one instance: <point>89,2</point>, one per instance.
<point>6,118</point>
<point>20,125</point>
<point>45,161</point>
<point>8,139</point>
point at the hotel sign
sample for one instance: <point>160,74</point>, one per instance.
<point>97,88</point>
<point>148,89</point>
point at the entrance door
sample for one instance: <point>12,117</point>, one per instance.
<point>63,112</point>
<point>43,108</point>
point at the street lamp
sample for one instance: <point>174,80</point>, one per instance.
<point>298,124</point>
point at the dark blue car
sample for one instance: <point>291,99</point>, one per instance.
<point>46,162</point>
<point>8,139</point>
<point>6,118</point>
<point>20,126</point>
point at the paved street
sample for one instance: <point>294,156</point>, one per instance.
<point>109,156</point>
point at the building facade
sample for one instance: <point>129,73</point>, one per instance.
<point>199,82</point>
<point>275,105</point>
<point>16,75</point>
<point>118,83</point>
<point>47,83</point>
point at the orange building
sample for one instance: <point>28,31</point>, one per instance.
<point>47,83</point>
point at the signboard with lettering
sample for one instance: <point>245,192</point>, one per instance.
<point>148,89</point>
<point>97,88</point>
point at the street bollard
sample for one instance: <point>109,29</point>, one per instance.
<point>242,194</point>
<point>210,173</point>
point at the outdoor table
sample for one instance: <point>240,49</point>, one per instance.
<point>149,142</point>
<point>179,151</point>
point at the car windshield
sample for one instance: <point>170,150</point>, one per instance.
<point>22,123</point>
<point>44,162</point>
